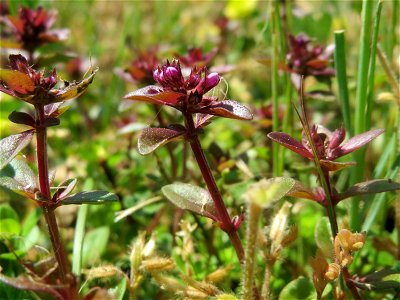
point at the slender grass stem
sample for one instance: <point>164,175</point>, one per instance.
<point>78,239</point>
<point>224,218</point>
<point>389,73</point>
<point>277,166</point>
<point>371,72</point>
<point>360,103</point>
<point>341,76</point>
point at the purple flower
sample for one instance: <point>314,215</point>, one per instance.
<point>188,94</point>
<point>34,87</point>
<point>304,59</point>
<point>32,27</point>
<point>328,145</point>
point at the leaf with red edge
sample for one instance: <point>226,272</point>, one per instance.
<point>74,90</point>
<point>290,143</point>
<point>16,81</point>
<point>12,145</point>
<point>156,95</point>
<point>26,284</point>
<point>152,138</point>
<point>335,166</point>
<point>64,189</point>
<point>228,109</point>
<point>357,142</point>
<point>55,110</point>
<point>23,118</point>
<point>191,197</point>
<point>370,187</point>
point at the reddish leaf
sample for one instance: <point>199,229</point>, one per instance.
<point>228,109</point>
<point>370,187</point>
<point>64,189</point>
<point>317,63</point>
<point>22,118</point>
<point>301,191</point>
<point>12,145</point>
<point>23,283</point>
<point>290,143</point>
<point>16,81</point>
<point>152,138</point>
<point>202,120</point>
<point>357,142</point>
<point>51,122</point>
<point>155,94</point>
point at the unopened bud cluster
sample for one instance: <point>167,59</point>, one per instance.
<point>170,77</point>
<point>345,244</point>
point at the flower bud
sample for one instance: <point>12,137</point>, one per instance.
<point>211,81</point>
<point>337,138</point>
<point>333,271</point>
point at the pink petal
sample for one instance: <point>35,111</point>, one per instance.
<point>290,143</point>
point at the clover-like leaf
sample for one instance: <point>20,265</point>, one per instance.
<point>156,95</point>
<point>152,138</point>
<point>22,118</point>
<point>290,143</point>
<point>380,280</point>
<point>64,189</point>
<point>370,187</point>
<point>12,145</point>
<point>90,197</point>
<point>268,191</point>
<point>228,109</point>
<point>191,197</point>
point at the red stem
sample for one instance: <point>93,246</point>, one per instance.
<point>350,285</point>
<point>224,218</point>
<point>58,247</point>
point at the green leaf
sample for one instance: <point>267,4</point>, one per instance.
<point>323,236</point>
<point>9,228</point>
<point>191,197</point>
<point>267,191</point>
<point>7,212</point>
<point>298,289</point>
<point>94,244</point>
<point>90,197</point>
<point>12,145</point>
<point>370,187</point>
<point>118,291</point>
<point>380,280</point>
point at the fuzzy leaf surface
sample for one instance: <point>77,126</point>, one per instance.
<point>12,145</point>
<point>152,138</point>
<point>228,109</point>
<point>191,197</point>
<point>156,95</point>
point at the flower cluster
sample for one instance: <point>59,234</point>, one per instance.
<point>32,27</point>
<point>345,244</point>
<point>25,83</point>
<point>303,59</point>
<point>188,94</point>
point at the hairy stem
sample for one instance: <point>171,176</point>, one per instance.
<point>224,218</point>
<point>57,245</point>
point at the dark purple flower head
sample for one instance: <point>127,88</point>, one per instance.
<point>328,145</point>
<point>32,27</point>
<point>29,85</point>
<point>188,93</point>
<point>304,59</point>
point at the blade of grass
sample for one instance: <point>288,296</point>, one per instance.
<point>78,239</point>
<point>360,103</point>
<point>341,76</point>
<point>389,73</point>
<point>371,72</point>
